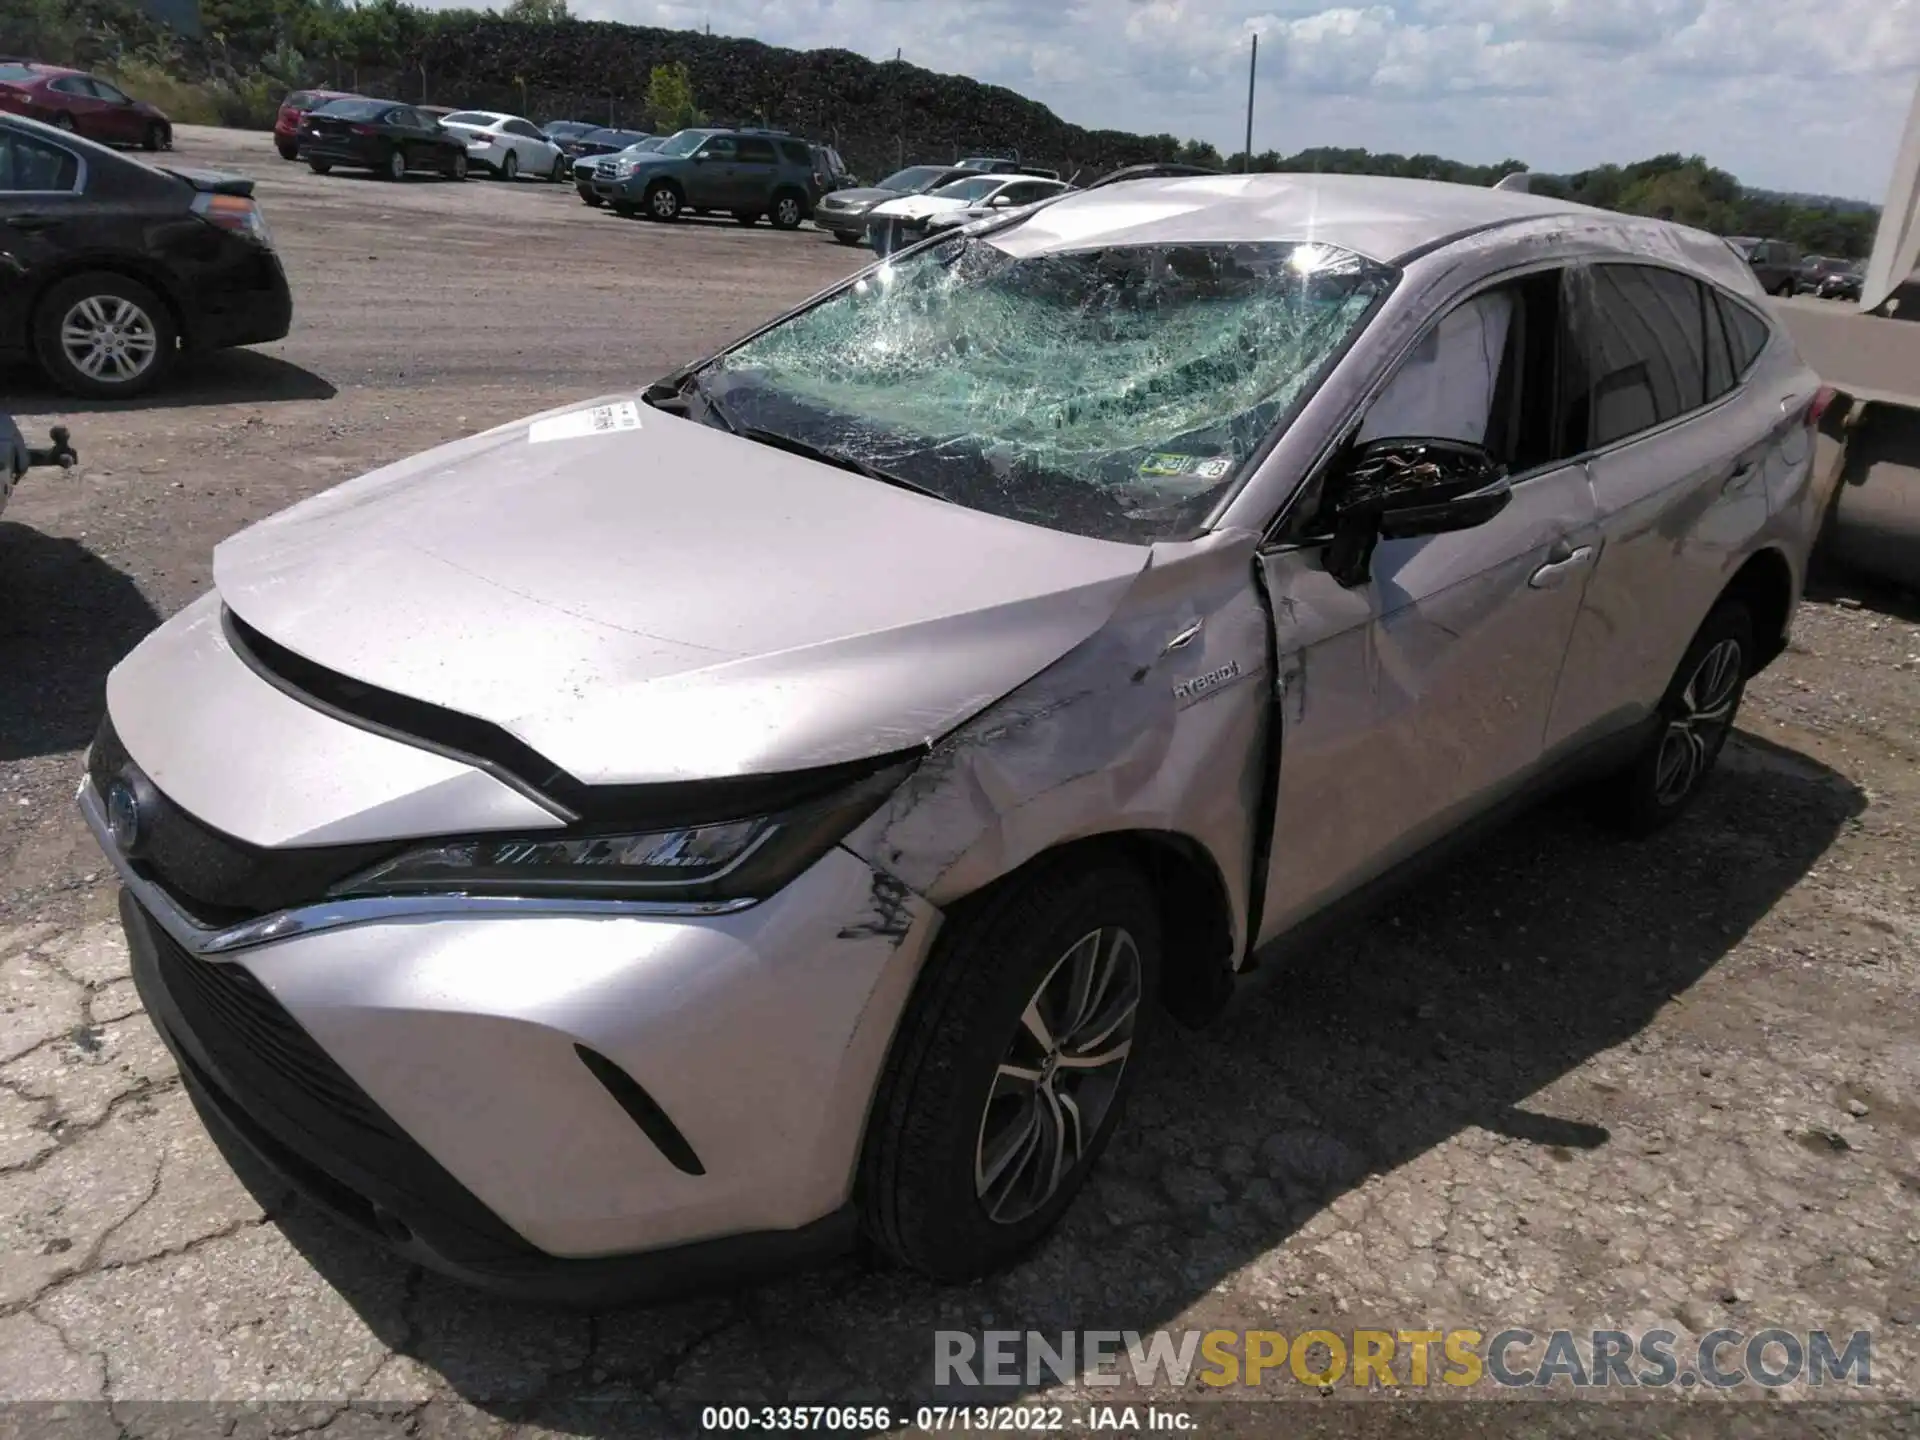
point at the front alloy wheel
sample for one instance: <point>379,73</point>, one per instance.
<point>663,202</point>
<point>1009,1069</point>
<point>510,167</point>
<point>1058,1077</point>
<point>396,165</point>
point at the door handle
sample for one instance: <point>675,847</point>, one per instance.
<point>1562,561</point>
<point>1737,481</point>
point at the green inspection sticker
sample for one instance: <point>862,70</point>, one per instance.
<point>1165,465</point>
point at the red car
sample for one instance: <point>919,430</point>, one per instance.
<point>293,110</point>
<point>82,103</point>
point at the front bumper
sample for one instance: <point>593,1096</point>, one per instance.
<point>427,1077</point>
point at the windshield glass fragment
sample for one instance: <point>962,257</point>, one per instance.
<point>1111,392</point>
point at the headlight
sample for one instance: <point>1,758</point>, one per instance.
<point>732,859</point>
<point>625,168</point>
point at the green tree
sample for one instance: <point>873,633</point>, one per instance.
<point>670,103</point>
<point>538,12</point>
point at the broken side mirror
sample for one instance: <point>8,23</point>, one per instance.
<point>1398,489</point>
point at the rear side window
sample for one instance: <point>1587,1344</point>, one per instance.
<point>31,164</point>
<point>469,117</point>
<point>1747,333</point>
<point>1640,335</point>
<point>755,151</point>
<point>1720,371</point>
<point>796,153</point>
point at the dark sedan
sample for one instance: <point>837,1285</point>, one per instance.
<point>383,136</point>
<point>1842,284</point>
<point>843,213</point>
<point>114,268</point>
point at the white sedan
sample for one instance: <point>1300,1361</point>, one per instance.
<point>900,222</point>
<point>507,145</point>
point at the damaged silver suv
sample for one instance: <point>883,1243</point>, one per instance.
<point>684,831</point>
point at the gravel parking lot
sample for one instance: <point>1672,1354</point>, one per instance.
<point>1567,1082</point>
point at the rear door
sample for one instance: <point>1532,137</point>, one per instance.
<point>1419,698</point>
<point>1680,449</point>
<point>755,172</point>
<point>42,219</point>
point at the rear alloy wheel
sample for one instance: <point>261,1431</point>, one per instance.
<point>663,201</point>
<point>747,217</point>
<point>459,167</point>
<point>155,138</point>
<point>1694,719</point>
<point>788,212</point>
<point>510,167</point>
<point>103,336</point>
<point>396,165</point>
<point>1010,1067</point>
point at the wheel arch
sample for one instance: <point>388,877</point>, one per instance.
<point>797,192</point>
<point>1189,891</point>
<point>127,267</point>
<point>1765,585</point>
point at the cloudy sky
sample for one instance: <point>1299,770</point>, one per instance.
<point>1788,94</point>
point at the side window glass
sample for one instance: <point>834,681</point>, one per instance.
<point>1642,342</point>
<point>1720,375</point>
<point>756,152</point>
<point>30,165</point>
<point>721,147</point>
<point>108,92</point>
<point>1445,386</point>
<point>1747,333</point>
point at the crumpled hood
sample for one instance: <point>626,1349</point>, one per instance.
<point>656,600</point>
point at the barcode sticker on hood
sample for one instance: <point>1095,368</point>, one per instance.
<point>600,420</point>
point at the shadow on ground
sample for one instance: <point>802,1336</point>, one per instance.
<point>66,618</point>
<point>219,377</point>
<point>1449,1008</point>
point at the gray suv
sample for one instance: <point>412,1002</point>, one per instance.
<point>743,173</point>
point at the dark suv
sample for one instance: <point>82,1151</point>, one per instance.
<point>1776,264</point>
<point>742,173</point>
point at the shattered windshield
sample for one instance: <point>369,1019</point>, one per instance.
<point>1110,392</point>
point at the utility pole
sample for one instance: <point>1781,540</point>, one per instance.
<point>1253,66</point>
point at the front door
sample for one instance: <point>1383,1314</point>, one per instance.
<point>42,218</point>
<point>1413,701</point>
<point>712,180</point>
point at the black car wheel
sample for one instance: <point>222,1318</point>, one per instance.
<point>396,166</point>
<point>155,138</point>
<point>288,150</point>
<point>558,175</point>
<point>845,239</point>
<point>103,335</point>
<point>1010,1066</point>
<point>587,197</point>
<point>663,201</point>
<point>1694,719</point>
<point>458,170</point>
<point>747,217</point>
<point>63,121</point>
<point>788,211</point>
<point>320,167</point>
<point>510,166</point>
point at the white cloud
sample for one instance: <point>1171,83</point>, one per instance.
<point>1793,94</point>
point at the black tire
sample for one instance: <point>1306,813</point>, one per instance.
<point>560,173</point>
<point>155,138</point>
<point>458,167</point>
<point>510,165</point>
<point>63,121</point>
<point>320,167</point>
<point>788,211</point>
<point>395,165</point>
<point>288,150</point>
<point>155,324</point>
<point>845,239</point>
<point>588,198</point>
<point>623,209</point>
<point>747,217</point>
<point>1647,795</point>
<point>920,1193</point>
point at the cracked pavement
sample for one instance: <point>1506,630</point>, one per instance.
<point>1566,1081</point>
